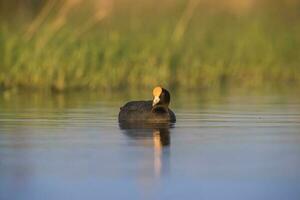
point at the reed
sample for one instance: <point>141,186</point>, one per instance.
<point>109,45</point>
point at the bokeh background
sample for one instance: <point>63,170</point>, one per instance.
<point>128,44</point>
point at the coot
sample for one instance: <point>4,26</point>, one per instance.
<point>155,111</point>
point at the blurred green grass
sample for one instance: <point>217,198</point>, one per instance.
<point>74,44</point>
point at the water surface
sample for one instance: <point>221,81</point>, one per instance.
<point>223,146</point>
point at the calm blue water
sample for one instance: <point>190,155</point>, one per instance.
<point>223,146</point>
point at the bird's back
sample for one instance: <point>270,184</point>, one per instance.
<point>142,111</point>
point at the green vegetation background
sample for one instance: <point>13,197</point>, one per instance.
<point>129,44</point>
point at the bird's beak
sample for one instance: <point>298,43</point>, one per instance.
<point>155,101</point>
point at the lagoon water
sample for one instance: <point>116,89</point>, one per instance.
<point>223,146</point>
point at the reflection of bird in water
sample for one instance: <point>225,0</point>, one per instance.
<point>159,134</point>
<point>161,137</point>
<point>156,110</point>
<point>158,131</point>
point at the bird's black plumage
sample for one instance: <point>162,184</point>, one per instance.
<point>137,111</point>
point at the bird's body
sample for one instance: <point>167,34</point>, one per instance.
<point>142,111</point>
<point>155,111</point>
